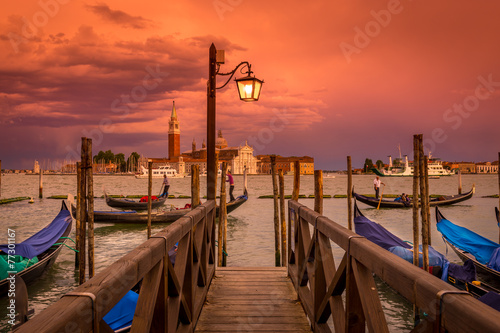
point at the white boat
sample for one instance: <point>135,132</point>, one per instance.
<point>434,169</point>
<point>160,172</point>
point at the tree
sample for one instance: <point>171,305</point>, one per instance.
<point>379,164</point>
<point>132,161</point>
<point>368,164</point>
<point>121,165</point>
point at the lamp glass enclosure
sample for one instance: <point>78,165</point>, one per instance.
<point>249,88</point>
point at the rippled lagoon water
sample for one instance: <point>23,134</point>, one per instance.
<point>250,227</point>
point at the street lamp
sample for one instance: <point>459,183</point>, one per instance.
<point>249,88</point>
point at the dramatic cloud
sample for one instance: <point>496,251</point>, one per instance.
<point>119,17</point>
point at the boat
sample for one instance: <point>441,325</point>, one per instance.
<point>459,276</point>
<point>160,172</point>
<point>390,203</point>
<point>36,254</point>
<point>142,204</point>
<point>168,216</point>
<point>434,169</point>
<point>484,253</point>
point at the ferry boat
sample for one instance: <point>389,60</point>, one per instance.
<point>434,169</point>
<point>160,172</point>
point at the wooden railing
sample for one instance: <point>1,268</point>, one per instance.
<point>320,283</point>
<point>171,296</point>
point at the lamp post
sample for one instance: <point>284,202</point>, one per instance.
<point>249,89</point>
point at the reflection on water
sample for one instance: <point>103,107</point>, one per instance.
<point>250,227</point>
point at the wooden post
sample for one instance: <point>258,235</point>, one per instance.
<point>282,218</point>
<point>499,193</point>
<point>216,171</point>
<point>349,193</point>
<point>90,200</point>
<point>459,182</point>
<point>223,216</point>
<point>40,184</point>
<point>245,179</point>
<point>0,178</point>
<point>276,213</point>
<point>83,212</point>
<point>78,212</point>
<point>150,186</point>
<point>416,172</point>
<point>296,181</point>
<point>423,208</point>
<point>195,186</point>
<point>318,191</point>
<point>427,205</point>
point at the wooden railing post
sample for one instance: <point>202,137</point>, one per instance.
<point>276,213</point>
<point>349,193</point>
<point>150,186</point>
<point>318,191</point>
<point>195,186</point>
<point>296,181</point>
<point>282,218</point>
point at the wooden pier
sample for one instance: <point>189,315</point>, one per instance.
<point>243,299</point>
<point>193,294</point>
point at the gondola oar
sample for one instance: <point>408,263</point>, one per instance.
<point>381,194</point>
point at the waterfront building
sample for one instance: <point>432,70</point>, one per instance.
<point>286,164</point>
<point>487,167</point>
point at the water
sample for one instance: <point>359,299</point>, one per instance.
<point>250,227</point>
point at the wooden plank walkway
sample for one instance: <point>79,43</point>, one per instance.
<point>244,299</point>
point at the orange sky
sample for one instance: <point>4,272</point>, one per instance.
<point>341,77</point>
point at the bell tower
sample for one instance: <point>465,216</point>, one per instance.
<point>174,135</point>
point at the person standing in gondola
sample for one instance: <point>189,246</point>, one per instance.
<point>376,185</point>
<point>166,186</point>
<point>231,184</point>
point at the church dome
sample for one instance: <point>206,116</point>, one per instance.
<point>220,142</point>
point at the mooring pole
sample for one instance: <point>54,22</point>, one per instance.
<point>223,214</point>
<point>296,181</point>
<point>78,212</point>
<point>83,212</point>
<point>40,184</point>
<point>0,178</point>
<point>318,191</point>
<point>90,200</point>
<point>459,181</point>
<point>282,218</point>
<point>195,186</point>
<point>150,186</point>
<point>276,213</point>
<point>499,194</point>
<point>423,208</point>
<point>416,174</point>
<point>349,193</point>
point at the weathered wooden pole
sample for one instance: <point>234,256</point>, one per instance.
<point>296,181</point>
<point>427,205</point>
<point>223,216</point>
<point>78,212</point>
<point>349,193</point>
<point>276,213</point>
<point>245,179</point>
<point>195,186</point>
<point>0,178</point>
<point>40,184</point>
<point>415,201</point>
<point>423,207</point>
<point>90,200</point>
<point>83,212</point>
<point>216,172</point>
<point>498,194</point>
<point>282,218</point>
<point>318,191</point>
<point>459,181</point>
<point>416,174</point>
<point>150,186</point>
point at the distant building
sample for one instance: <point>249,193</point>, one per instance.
<point>286,164</point>
<point>487,167</point>
<point>467,167</point>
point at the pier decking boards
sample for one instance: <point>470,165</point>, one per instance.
<point>247,299</point>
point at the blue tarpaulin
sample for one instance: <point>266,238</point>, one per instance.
<point>480,247</point>
<point>122,314</point>
<point>42,240</point>
<point>377,233</point>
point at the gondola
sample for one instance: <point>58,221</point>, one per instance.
<point>457,275</point>
<point>130,204</point>
<point>440,201</point>
<point>45,246</point>
<point>158,217</point>
<point>484,253</point>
